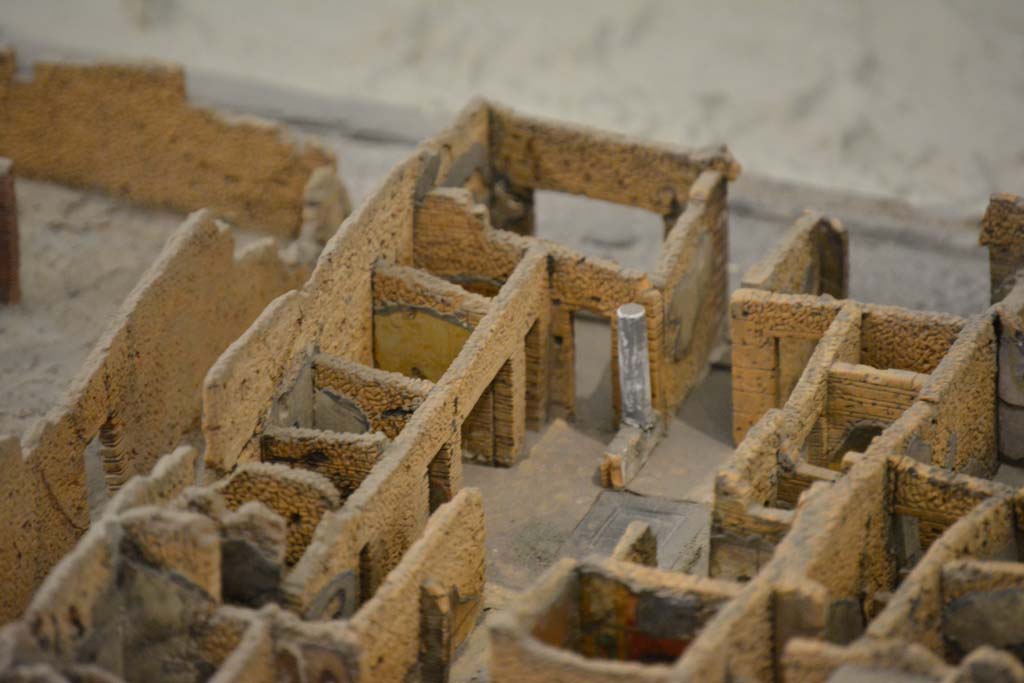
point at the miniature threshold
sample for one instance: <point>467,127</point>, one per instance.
<point>282,437</point>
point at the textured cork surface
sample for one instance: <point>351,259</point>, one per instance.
<point>329,536</point>
<point>69,120</point>
<point>139,389</point>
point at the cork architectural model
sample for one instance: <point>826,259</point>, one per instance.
<point>283,427</point>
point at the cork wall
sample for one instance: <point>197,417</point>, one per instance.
<point>178,583</point>
<point>328,535</point>
<point>602,620</point>
<point>307,416</point>
<point>66,122</point>
<point>138,394</point>
<point>812,257</point>
<point>497,370</point>
<point>852,570</point>
<point>894,555</point>
<point>1001,233</point>
<point>331,476</point>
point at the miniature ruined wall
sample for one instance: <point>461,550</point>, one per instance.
<point>791,595</point>
<point>900,339</point>
<point>141,597</point>
<point>773,337</point>
<point>744,525</point>
<point>305,403</point>
<point>385,400</point>
<point>454,239</point>
<point>102,602</point>
<point>1009,321</point>
<point>1002,231</point>
<point>772,342</point>
<point>854,510</point>
<point>952,420</point>
<point>892,660</point>
<point>934,497</point>
<point>839,561</point>
<point>766,470</point>
<point>191,303</point>
<point>638,545</point>
<point>168,478</point>
<point>599,287</point>
<point>914,614</point>
<point>680,336</point>
<point>692,277</point>
<point>334,310</point>
<point>861,396</point>
<point>275,646</point>
<point>353,513</point>
<point>243,382</point>
<point>963,388</point>
<point>923,377</point>
<point>811,258</point>
<point>384,529</point>
<point>981,603</point>
<point>533,153</point>
<point>686,188</point>
<point>420,322</point>
<point>602,620</point>
<point>301,496</point>
<point>775,334</point>
<point>139,391</point>
<point>839,544</point>
<point>21,491</point>
<point>810,409</point>
<point>736,644</point>
<point>813,661</point>
<point>633,613</point>
<point>524,647</point>
<point>341,511</point>
<point>68,120</point>
<point>936,608</point>
<point>778,459</point>
<point>10,250</point>
<point>384,513</point>
<point>449,557</point>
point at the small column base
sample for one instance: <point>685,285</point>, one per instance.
<point>627,454</point>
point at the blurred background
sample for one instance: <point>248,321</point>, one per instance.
<point>917,99</point>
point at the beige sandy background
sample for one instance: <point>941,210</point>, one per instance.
<point>919,99</point>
